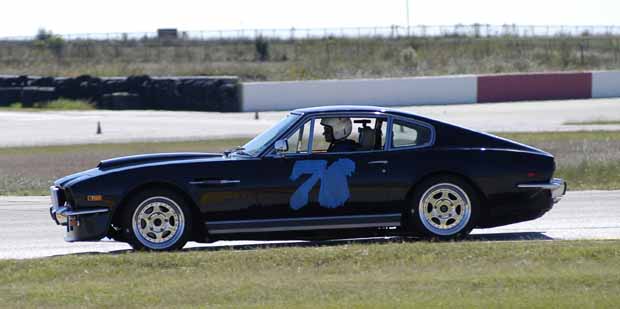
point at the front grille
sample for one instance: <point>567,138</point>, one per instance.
<point>57,195</point>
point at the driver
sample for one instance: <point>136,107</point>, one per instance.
<point>336,131</point>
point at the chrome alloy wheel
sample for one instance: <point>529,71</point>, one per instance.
<point>158,222</point>
<point>444,209</point>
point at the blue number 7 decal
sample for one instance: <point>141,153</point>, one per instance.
<point>334,191</point>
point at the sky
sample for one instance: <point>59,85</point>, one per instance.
<point>25,17</point>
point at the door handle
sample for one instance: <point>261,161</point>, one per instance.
<point>379,162</point>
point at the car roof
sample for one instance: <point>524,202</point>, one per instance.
<point>349,108</point>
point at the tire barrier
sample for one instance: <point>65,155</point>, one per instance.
<point>13,81</point>
<point>10,95</point>
<point>32,95</point>
<point>191,93</point>
<point>120,101</point>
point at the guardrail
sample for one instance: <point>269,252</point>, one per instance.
<point>474,30</point>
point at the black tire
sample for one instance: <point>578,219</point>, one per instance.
<point>444,215</point>
<point>169,219</point>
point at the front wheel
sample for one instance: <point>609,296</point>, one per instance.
<point>157,221</point>
<point>444,207</point>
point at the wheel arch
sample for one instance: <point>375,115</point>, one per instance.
<point>480,194</point>
<point>482,197</point>
<point>164,186</point>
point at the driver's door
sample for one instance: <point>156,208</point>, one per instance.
<point>306,187</point>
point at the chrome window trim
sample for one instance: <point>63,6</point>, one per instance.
<point>300,138</point>
<point>313,117</point>
<point>270,152</point>
<point>310,136</point>
<point>269,148</point>
<point>430,143</point>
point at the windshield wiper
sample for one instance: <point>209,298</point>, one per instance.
<point>238,150</point>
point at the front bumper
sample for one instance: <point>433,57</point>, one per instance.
<point>556,186</point>
<point>82,224</point>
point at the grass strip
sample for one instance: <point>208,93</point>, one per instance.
<point>533,274</point>
<point>588,160</point>
<point>594,122</point>
<point>539,138</point>
<point>31,170</point>
<point>60,104</point>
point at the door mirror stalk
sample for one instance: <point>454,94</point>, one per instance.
<point>281,146</point>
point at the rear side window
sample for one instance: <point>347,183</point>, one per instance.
<point>406,134</point>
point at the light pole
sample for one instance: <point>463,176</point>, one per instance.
<point>407,4</point>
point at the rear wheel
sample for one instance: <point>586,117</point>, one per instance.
<point>444,207</point>
<point>157,220</point>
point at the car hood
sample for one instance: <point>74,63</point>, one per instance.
<point>64,181</point>
<point>153,158</point>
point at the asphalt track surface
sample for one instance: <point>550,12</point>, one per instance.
<point>79,127</point>
<point>28,231</point>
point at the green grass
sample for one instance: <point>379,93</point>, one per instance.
<point>593,122</point>
<point>534,274</point>
<point>588,160</point>
<point>31,170</point>
<point>60,104</point>
<point>563,137</point>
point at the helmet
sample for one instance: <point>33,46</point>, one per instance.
<point>341,127</point>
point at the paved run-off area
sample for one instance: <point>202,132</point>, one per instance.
<point>28,231</point>
<point>79,127</point>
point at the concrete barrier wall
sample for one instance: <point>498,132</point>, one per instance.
<point>537,86</point>
<point>225,94</point>
<point>264,96</point>
<point>606,84</point>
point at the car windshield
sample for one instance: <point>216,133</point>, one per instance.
<point>263,140</point>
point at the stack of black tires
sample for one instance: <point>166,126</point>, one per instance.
<point>192,93</point>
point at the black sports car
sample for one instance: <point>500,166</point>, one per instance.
<point>326,172</point>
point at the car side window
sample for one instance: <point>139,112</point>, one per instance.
<point>348,134</point>
<point>406,134</point>
<point>298,141</point>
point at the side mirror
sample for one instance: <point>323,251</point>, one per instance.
<point>281,145</point>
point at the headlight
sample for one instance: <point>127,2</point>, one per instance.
<point>61,219</point>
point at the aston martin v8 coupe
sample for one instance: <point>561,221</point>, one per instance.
<point>319,173</point>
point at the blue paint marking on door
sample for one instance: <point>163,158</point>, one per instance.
<point>334,190</point>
